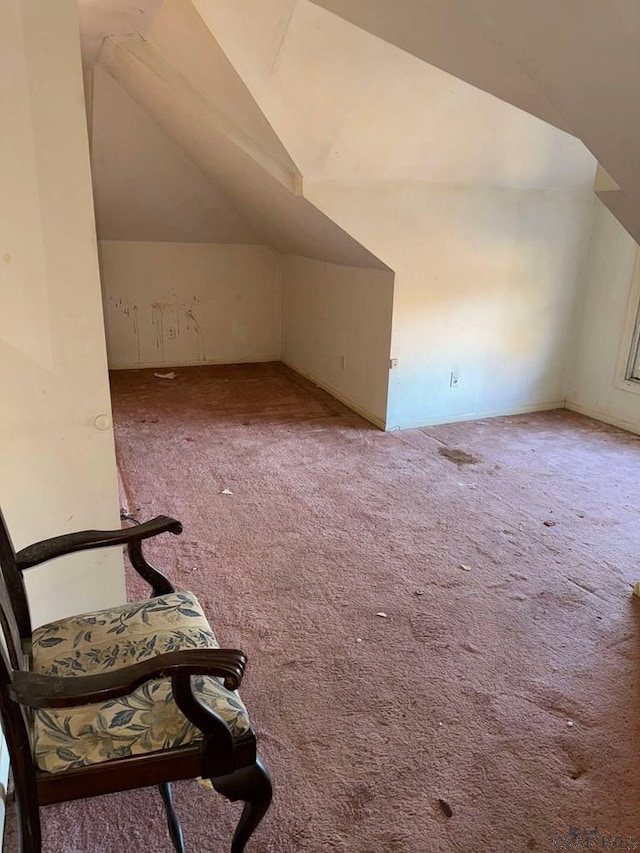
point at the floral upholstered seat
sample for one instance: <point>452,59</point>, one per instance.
<point>145,721</point>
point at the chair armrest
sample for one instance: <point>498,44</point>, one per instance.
<point>49,549</point>
<point>51,691</point>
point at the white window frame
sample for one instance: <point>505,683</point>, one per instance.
<point>633,369</point>
<point>628,372</point>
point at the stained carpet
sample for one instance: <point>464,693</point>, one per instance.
<point>494,706</point>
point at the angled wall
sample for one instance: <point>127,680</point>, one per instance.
<point>487,285</point>
<point>237,155</point>
<point>452,35</point>
<point>608,313</point>
<point>185,164</point>
<point>186,278</point>
<point>146,187</point>
<point>574,64</point>
<point>188,269</point>
<point>482,211</point>
<point>57,465</point>
<point>340,148</point>
<point>336,330</point>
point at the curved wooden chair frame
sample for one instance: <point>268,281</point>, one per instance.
<point>231,763</point>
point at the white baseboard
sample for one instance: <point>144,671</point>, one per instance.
<point>417,423</point>
<point>597,415</point>
<point>358,409</point>
<point>164,365</point>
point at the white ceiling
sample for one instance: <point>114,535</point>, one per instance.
<point>284,88</point>
<point>351,107</point>
<point>102,18</point>
<point>574,63</point>
<point>181,151</point>
<point>146,187</point>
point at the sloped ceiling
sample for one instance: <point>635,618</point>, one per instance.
<point>259,93</point>
<point>181,37</point>
<point>145,186</point>
<point>177,93</point>
<point>351,107</point>
<point>101,18</point>
<point>574,63</point>
<point>583,56</point>
<point>452,35</point>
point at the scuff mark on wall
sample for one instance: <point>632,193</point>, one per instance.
<point>136,331</point>
<point>171,304</point>
<point>130,311</point>
<point>166,314</point>
<point>157,321</point>
<point>193,324</point>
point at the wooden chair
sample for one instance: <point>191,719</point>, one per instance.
<point>122,698</point>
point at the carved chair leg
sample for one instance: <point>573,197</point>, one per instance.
<point>253,786</point>
<point>30,840</point>
<point>29,834</point>
<point>175,829</point>
<point>28,814</point>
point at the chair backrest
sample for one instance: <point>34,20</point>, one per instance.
<point>14,609</point>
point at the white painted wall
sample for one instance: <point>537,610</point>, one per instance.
<point>57,470</point>
<point>336,330</point>
<point>487,283</point>
<point>223,303</point>
<point>610,305</point>
<point>483,211</point>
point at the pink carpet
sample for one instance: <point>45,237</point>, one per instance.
<point>503,679</point>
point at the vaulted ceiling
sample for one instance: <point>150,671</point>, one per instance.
<point>574,63</point>
<point>208,117</point>
<point>181,151</point>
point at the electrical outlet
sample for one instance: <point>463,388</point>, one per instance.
<point>171,333</point>
<point>454,379</point>
<point>393,363</point>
